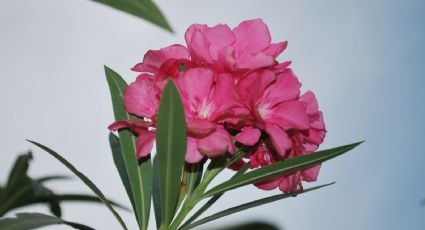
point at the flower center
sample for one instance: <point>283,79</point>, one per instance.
<point>205,110</point>
<point>264,110</point>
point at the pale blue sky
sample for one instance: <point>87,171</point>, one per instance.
<point>363,59</point>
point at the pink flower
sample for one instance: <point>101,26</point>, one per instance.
<point>209,99</point>
<point>145,138</point>
<point>229,79</point>
<point>246,47</point>
<point>168,56</point>
<point>293,124</point>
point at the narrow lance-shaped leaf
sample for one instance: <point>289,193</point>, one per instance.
<point>84,178</point>
<point>19,169</point>
<point>139,175</point>
<point>194,172</point>
<point>145,9</point>
<point>155,193</point>
<point>249,205</point>
<point>117,155</point>
<point>16,175</point>
<point>50,178</point>
<point>70,198</point>
<point>13,195</point>
<point>36,220</point>
<point>280,168</point>
<point>171,149</point>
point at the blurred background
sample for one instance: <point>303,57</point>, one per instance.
<point>363,59</point>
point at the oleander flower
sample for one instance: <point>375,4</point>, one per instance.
<point>229,82</point>
<point>209,99</point>
<point>292,123</point>
<point>247,47</point>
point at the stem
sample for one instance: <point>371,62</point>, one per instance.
<point>190,202</point>
<point>183,190</point>
<point>187,207</point>
<point>216,166</point>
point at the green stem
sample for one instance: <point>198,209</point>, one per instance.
<point>190,202</point>
<point>183,190</point>
<point>216,166</point>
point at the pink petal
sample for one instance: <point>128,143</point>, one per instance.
<point>226,58</point>
<point>248,136</point>
<point>290,115</point>
<point>195,87</point>
<point>137,126</point>
<point>255,61</point>
<point>318,122</point>
<point>291,183</point>
<point>224,99</point>
<point>282,67</point>
<point>238,165</point>
<point>141,98</point>
<point>269,184</point>
<point>198,46</point>
<point>252,36</point>
<point>200,127</point>
<point>217,143</point>
<point>144,143</point>
<point>285,88</point>
<point>252,87</point>
<point>153,59</point>
<point>311,103</point>
<point>310,174</point>
<point>192,153</point>
<point>316,136</point>
<point>262,156</point>
<point>279,139</point>
<point>217,37</point>
<point>176,52</point>
<point>275,49</point>
<point>229,138</point>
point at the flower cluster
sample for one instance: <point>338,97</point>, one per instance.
<point>233,90</point>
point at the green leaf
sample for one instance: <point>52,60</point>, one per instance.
<point>117,155</point>
<point>171,149</point>
<point>85,198</point>
<point>155,193</point>
<point>145,9</point>
<point>17,178</point>
<point>213,199</point>
<point>49,178</point>
<point>71,198</point>
<point>249,205</point>
<point>36,220</point>
<point>23,189</point>
<point>194,177</point>
<point>139,175</point>
<point>251,226</point>
<point>85,179</point>
<point>55,207</point>
<point>280,168</point>
<point>19,169</point>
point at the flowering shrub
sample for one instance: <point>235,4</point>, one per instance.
<point>222,101</point>
<point>233,90</point>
